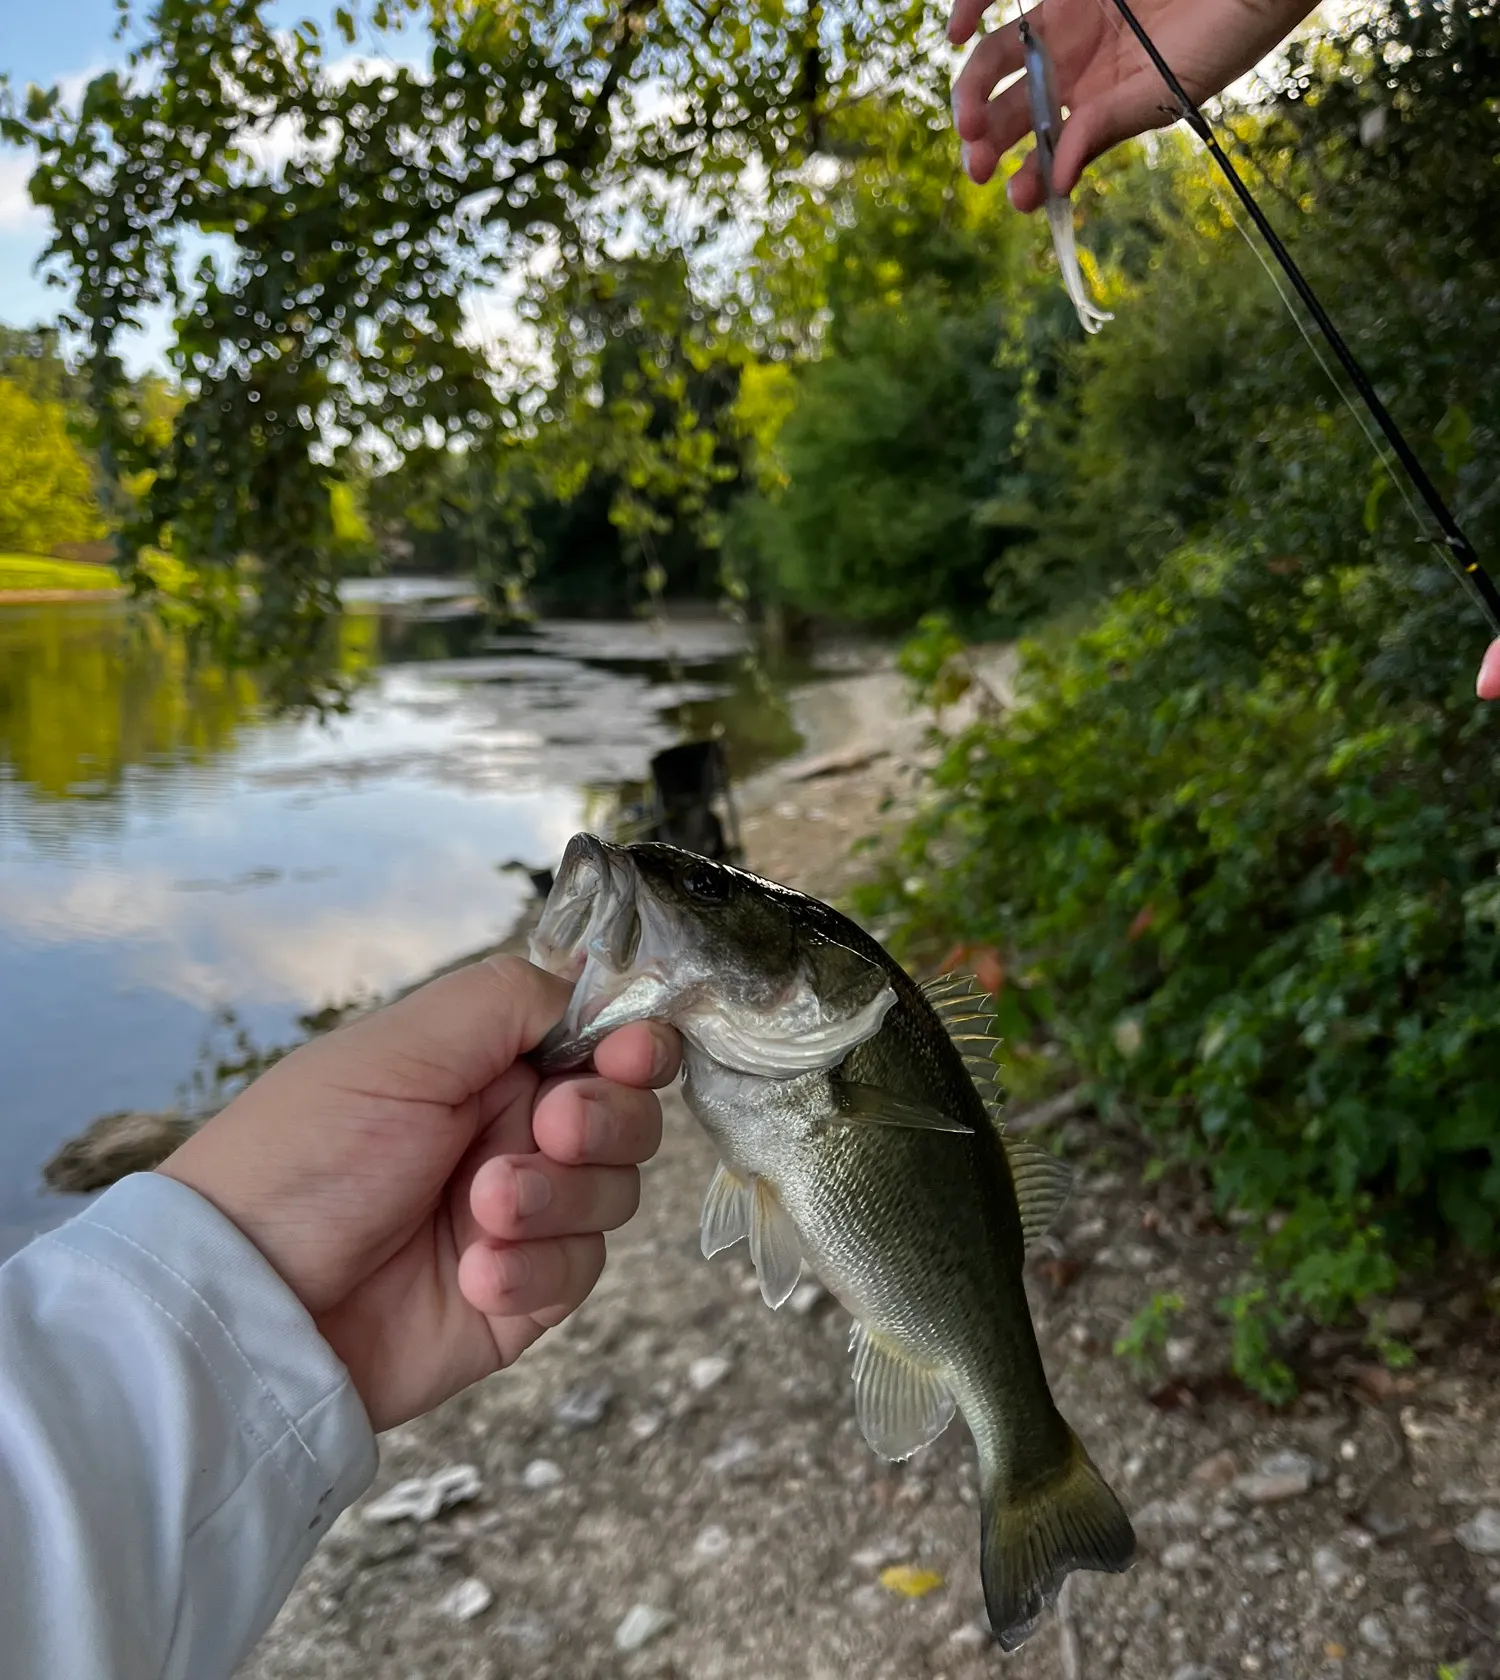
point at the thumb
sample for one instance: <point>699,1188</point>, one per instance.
<point>451,1038</point>
<point>1488,686</point>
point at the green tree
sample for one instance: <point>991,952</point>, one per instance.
<point>329,313</point>
<point>46,489</point>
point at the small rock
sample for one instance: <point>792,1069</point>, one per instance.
<point>1180,1351</point>
<point>1374,1633</point>
<point>892,1549</point>
<point>1163,1515</point>
<point>708,1372</point>
<point>970,1636</point>
<point>806,1296</point>
<point>1215,1472</point>
<point>1283,1475</point>
<point>1330,1566</point>
<point>1265,1563</point>
<point>1481,1533</point>
<point>1193,1671</point>
<point>712,1542</point>
<point>468,1599</point>
<point>421,1497</point>
<point>642,1624</point>
<point>1403,1317</point>
<point>868,1600</point>
<point>1220,1520</point>
<point>735,1454</point>
<point>1181,1554</point>
<point>541,1473</point>
<point>644,1425</point>
<point>584,1406</point>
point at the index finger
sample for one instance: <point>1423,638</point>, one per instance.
<point>964,19</point>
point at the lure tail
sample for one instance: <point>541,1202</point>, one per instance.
<point>1060,220</point>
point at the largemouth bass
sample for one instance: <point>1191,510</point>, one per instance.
<point>850,1110</point>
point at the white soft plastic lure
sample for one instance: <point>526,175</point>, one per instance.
<point>1046,123</point>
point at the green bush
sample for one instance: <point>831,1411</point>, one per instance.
<point>1242,838</point>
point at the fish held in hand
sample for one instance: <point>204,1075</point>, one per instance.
<point>1046,123</point>
<point>854,1113</point>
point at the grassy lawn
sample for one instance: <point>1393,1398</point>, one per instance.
<point>27,571</point>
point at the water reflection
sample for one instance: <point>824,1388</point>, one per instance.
<point>168,850</point>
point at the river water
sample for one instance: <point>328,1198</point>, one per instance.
<point>169,852</point>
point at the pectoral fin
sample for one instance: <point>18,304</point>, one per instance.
<point>872,1105</point>
<point>726,1212</point>
<point>773,1245</point>
<point>901,1405</point>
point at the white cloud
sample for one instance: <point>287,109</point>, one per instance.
<point>17,213</point>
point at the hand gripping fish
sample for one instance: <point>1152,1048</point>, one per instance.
<point>1046,123</point>
<point>854,1113</point>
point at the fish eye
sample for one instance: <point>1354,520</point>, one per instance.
<point>705,884</point>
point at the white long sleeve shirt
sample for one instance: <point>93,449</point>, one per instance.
<point>175,1438</point>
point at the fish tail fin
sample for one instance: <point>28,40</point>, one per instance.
<point>1031,1539</point>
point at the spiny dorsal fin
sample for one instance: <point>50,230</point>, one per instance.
<point>1042,1184</point>
<point>967,1013</point>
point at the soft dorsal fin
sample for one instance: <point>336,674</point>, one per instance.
<point>1042,1184</point>
<point>967,1013</point>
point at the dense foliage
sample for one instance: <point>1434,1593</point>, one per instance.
<point>1240,834</point>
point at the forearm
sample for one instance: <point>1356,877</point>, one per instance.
<point>175,1437</point>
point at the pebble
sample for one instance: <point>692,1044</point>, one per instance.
<point>1402,1317</point>
<point>1215,1472</point>
<point>970,1636</point>
<point>1265,1563</point>
<point>1193,1671</point>
<point>709,1372</point>
<point>735,1454</point>
<point>806,1296</point>
<point>541,1473</point>
<point>1330,1566</point>
<point>712,1542</point>
<point>584,1406</point>
<point>1181,1554</point>
<point>1374,1633</point>
<point>1481,1533</point>
<point>642,1624</point>
<point>644,1425</point>
<point>1283,1475</point>
<point>526,1630</point>
<point>1168,1514</point>
<point>1180,1351</point>
<point>468,1599</point>
<point>878,1553</point>
<point>422,1497</point>
<point>869,1600</point>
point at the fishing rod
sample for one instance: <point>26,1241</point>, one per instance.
<point>1457,549</point>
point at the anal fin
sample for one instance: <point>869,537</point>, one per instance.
<point>901,1405</point>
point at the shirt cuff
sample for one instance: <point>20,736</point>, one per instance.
<point>296,1406</point>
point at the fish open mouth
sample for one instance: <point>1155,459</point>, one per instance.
<point>596,931</point>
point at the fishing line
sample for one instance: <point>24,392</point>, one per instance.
<point>1377,448</point>
<point>1455,546</point>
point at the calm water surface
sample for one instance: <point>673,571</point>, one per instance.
<point>169,851</point>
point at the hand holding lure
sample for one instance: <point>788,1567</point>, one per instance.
<point>1046,123</point>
